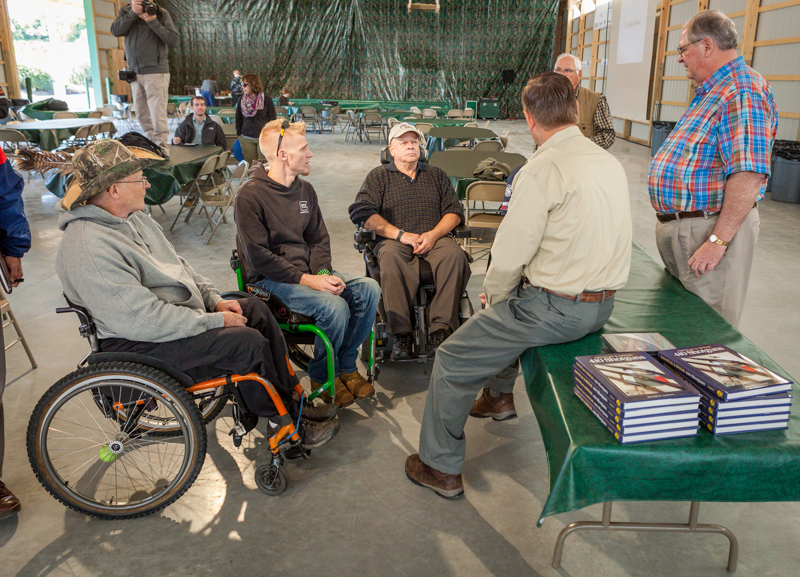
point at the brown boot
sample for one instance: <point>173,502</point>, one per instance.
<point>357,385</point>
<point>342,398</point>
<point>443,484</point>
<point>9,504</point>
<point>499,408</point>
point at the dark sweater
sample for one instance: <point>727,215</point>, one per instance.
<point>212,132</point>
<point>251,125</point>
<point>413,205</point>
<point>280,231</point>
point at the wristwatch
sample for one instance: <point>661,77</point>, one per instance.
<point>400,234</point>
<point>717,240</point>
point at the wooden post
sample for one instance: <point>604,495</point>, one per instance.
<point>8,60</point>
<point>749,32</point>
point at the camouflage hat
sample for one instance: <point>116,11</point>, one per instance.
<point>101,164</point>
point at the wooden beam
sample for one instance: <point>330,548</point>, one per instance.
<point>9,58</point>
<point>658,80</point>
<point>780,5</point>
<point>749,32</point>
<point>776,41</point>
<point>789,114</point>
<point>774,77</point>
<point>669,103</point>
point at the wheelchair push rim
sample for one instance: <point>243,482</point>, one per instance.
<point>93,460</point>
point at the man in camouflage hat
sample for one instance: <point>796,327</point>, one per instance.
<point>115,261</point>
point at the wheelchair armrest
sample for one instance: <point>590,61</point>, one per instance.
<point>462,231</point>
<point>87,328</point>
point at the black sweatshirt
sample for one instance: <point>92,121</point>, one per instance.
<point>280,231</point>
<point>251,125</point>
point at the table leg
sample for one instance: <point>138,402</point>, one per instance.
<point>691,527</point>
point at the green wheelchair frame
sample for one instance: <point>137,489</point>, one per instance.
<point>300,328</point>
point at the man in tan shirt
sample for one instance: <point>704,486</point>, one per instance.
<point>561,252</point>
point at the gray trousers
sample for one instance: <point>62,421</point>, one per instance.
<point>483,347</point>
<point>150,96</point>
<point>400,282</point>
<point>725,287</point>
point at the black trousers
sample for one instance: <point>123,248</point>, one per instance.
<point>257,348</point>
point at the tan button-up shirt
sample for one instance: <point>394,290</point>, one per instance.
<point>568,227</point>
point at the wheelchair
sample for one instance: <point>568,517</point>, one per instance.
<point>124,435</point>
<point>299,331</point>
<point>379,345</point>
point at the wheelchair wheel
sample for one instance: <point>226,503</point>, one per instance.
<point>87,448</point>
<point>301,355</point>
<point>209,404</point>
<point>272,480</point>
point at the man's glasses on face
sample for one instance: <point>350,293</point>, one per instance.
<point>682,49</point>
<point>564,70</point>
<point>284,126</point>
<point>143,180</point>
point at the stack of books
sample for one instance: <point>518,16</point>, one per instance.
<point>635,342</point>
<point>738,394</point>
<point>636,398</point>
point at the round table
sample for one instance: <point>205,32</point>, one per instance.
<point>459,165</point>
<point>48,134</point>
<point>441,138</point>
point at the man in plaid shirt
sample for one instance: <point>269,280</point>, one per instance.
<point>706,178</point>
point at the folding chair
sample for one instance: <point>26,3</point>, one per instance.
<point>282,111</point>
<point>222,200</point>
<point>423,127</point>
<point>483,192</point>
<point>6,312</point>
<point>373,123</point>
<point>468,113</point>
<point>355,127</point>
<point>204,182</point>
<point>95,114</point>
<point>455,113</point>
<point>429,113</point>
<point>489,146</point>
<point>64,114</point>
<point>308,114</point>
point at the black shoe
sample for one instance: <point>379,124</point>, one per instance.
<point>438,337</point>
<point>401,349</point>
<point>315,434</point>
<point>320,413</point>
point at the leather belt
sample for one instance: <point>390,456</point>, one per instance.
<point>593,297</point>
<point>667,217</point>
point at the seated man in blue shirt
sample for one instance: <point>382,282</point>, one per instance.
<point>198,128</point>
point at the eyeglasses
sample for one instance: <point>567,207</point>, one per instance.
<point>144,179</point>
<point>243,84</point>
<point>564,70</point>
<point>284,126</point>
<point>683,49</point>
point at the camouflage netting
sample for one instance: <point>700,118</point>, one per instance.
<point>366,49</point>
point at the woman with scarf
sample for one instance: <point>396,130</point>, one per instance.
<point>253,111</point>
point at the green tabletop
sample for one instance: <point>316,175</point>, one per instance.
<point>177,99</point>
<point>443,137</point>
<point>440,122</point>
<point>421,104</point>
<point>587,465</point>
<point>460,164</point>
<point>48,134</point>
<point>38,110</point>
<point>185,161</point>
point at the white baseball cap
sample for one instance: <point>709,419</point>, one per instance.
<point>399,130</point>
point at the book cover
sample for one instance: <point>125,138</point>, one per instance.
<point>642,437</point>
<point>679,421</point>
<point>636,416</point>
<point>636,342</point>
<point>727,374</point>
<point>636,380</point>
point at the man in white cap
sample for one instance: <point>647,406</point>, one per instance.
<point>412,207</point>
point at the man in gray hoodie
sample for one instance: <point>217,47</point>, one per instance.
<point>115,261</point>
<point>147,41</point>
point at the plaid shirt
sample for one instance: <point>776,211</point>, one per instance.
<point>730,127</point>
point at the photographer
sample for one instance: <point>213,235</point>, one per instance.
<point>148,32</point>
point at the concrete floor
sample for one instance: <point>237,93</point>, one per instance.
<point>350,508</point>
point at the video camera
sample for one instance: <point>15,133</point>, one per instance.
<point>127,75</point>
<point>149,8</point>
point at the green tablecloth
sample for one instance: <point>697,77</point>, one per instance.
<point>38,110</point>
<point>440,122</point>
<point>443,137</point>
<point>48,134</point>
<point>587,465</point>
<point>421,104</point>
<point>176,99</point>
<point>459,165</point>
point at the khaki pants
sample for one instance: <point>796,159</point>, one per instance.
<point>725,287</point>
<point>400,282</point>
<point>250,150</point>
<point>150,96</point>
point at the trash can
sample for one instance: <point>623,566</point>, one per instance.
<point>786,175</point>
<point>780,145</point>
<point>660,132</point>
<point>489,108</point>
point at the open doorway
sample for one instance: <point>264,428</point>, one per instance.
<point>52,50</point>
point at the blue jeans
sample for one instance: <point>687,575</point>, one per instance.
<point>347,318</point>
<point>208,96</point>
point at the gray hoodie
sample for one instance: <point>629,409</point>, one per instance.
<point>131,279</point>
<point>146,43</point>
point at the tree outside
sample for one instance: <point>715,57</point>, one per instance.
<point>52,48</point>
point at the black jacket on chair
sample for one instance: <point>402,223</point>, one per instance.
<point>212,132</point>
